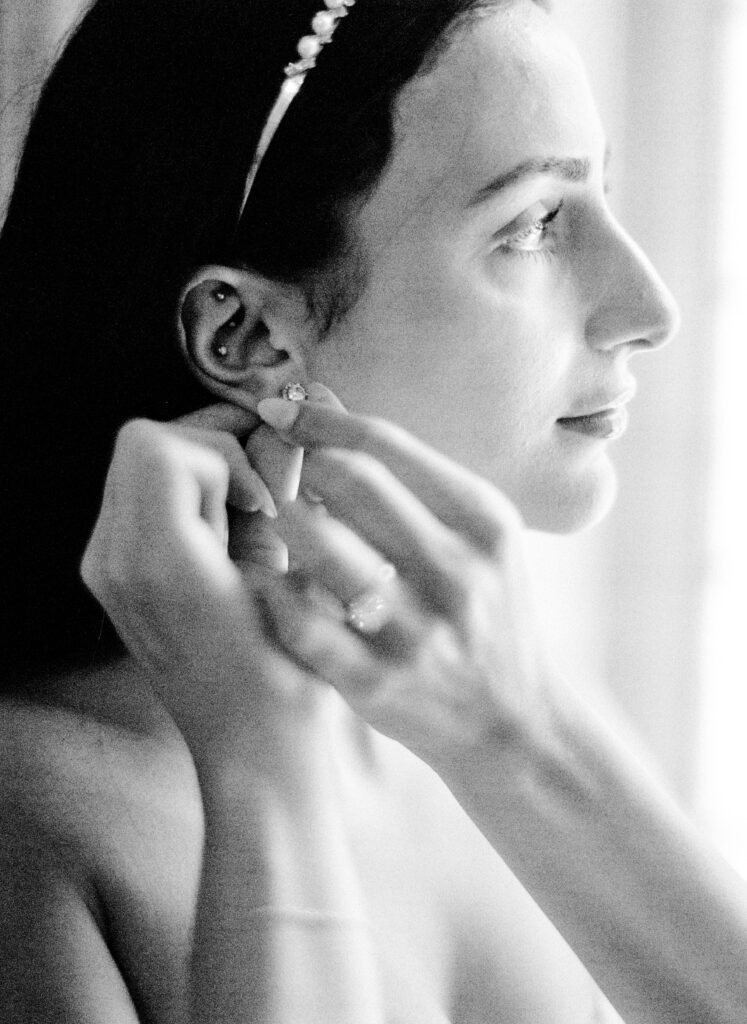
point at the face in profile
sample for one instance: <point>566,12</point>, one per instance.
<point>503,301</point>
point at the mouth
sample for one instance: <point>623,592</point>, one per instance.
<point>607,422</point>
<point>606,425</point>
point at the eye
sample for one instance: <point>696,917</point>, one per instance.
<point>529,233</point>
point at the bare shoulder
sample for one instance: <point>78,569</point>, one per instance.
<point>87,746</point>
<point>100,837</point>
<point>92,767</point>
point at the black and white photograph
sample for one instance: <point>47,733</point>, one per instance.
<point>373,381</point>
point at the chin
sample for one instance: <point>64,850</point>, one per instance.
<point>573,505</point>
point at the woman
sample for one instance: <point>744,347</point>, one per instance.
<point>203,828</point>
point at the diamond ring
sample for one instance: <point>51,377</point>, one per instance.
<point>370,610</point>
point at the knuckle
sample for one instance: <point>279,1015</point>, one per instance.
<point>453,584</point>
<point>218,463</point>
<point>117,572</point>
<point>361,466</point>
<point>138,433</point>
<point>233,448</point>
<point>365,433</point>
<point>376,434</point>
<point>224,445</point>
<point>364,474</point>
<point>147,445</point>
<point>90,570</point>
<point>351,473</point>
<point>131,572</point>
<point>456,593</point>
<point>499,520</point>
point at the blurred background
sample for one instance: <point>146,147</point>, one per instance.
<point>648,612</point>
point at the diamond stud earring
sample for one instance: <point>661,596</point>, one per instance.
<point>294,392</point>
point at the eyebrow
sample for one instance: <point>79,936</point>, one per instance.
<point>567,168</point>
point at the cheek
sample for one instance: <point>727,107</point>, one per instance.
<point>488,396</point>
<point>451,355</point>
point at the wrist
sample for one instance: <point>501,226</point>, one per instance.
<point>289,766</point>
<point>544,760</point>
<point>288,832</point>
<point>263,733</point>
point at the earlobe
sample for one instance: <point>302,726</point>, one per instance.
<point>242,334</point>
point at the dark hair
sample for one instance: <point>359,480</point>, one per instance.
<point>132,174</point>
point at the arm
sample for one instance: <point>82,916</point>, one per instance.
<point>270,847</point>
<point>55,965</point>
<point>280,933</point>
<point>457,674</point>
<point>281,930</point>
<point>656,916</point>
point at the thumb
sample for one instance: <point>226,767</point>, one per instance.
<point>254,543</point>
<point>277,462</point>
<point>253,540</point>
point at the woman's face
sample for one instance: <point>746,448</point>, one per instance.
<point>503,301</point>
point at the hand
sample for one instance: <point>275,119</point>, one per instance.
<point>457,663</point>
<point>158,563</point>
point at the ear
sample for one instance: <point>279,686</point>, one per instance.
<point>243,335</point>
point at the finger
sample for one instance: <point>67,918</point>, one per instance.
<point>322,395</point>
<point>463,501</point>
<point>277,462</point>
<point>246,488</point>
<point>335,559</point>
<point>254,542</point>
<point>368,498</point>
<point>176,496</point>
<point>221,416</point>
<point>326,550</point>
<point>326,648</point>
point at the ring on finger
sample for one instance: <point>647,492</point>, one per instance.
<point>369,611</point>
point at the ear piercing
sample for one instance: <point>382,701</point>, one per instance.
<point>294,392</point>
<point>220,294</point>
<point>221,351</point>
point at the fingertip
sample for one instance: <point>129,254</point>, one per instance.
<point>253,503</point>
<point>251,494</point>
<point>231,417</point>
<point>282,414</point>
<point>279,413</point>
<point>323,396</point>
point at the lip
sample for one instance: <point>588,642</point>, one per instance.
<point>601,402</point>
<point>601,416</point>
<point>606,425</point>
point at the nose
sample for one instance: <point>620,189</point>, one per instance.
<point>630,304</point>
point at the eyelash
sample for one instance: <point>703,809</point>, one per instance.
<point>541,225</point>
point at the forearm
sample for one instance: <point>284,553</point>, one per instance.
<point>281,932</point>
<point>657,918</point>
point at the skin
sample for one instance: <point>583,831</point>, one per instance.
<point>120,781</point>
<point>474,331</point>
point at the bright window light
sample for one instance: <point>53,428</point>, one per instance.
<point>722,799</point>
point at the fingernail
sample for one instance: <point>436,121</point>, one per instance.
<point>255,503</point>
<point>269,508</point>
<point>278,412</point>
<point>321,394</point>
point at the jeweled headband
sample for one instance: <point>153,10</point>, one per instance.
<point>323,26</point>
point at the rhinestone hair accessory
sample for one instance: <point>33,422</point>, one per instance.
<point>323,26</point>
